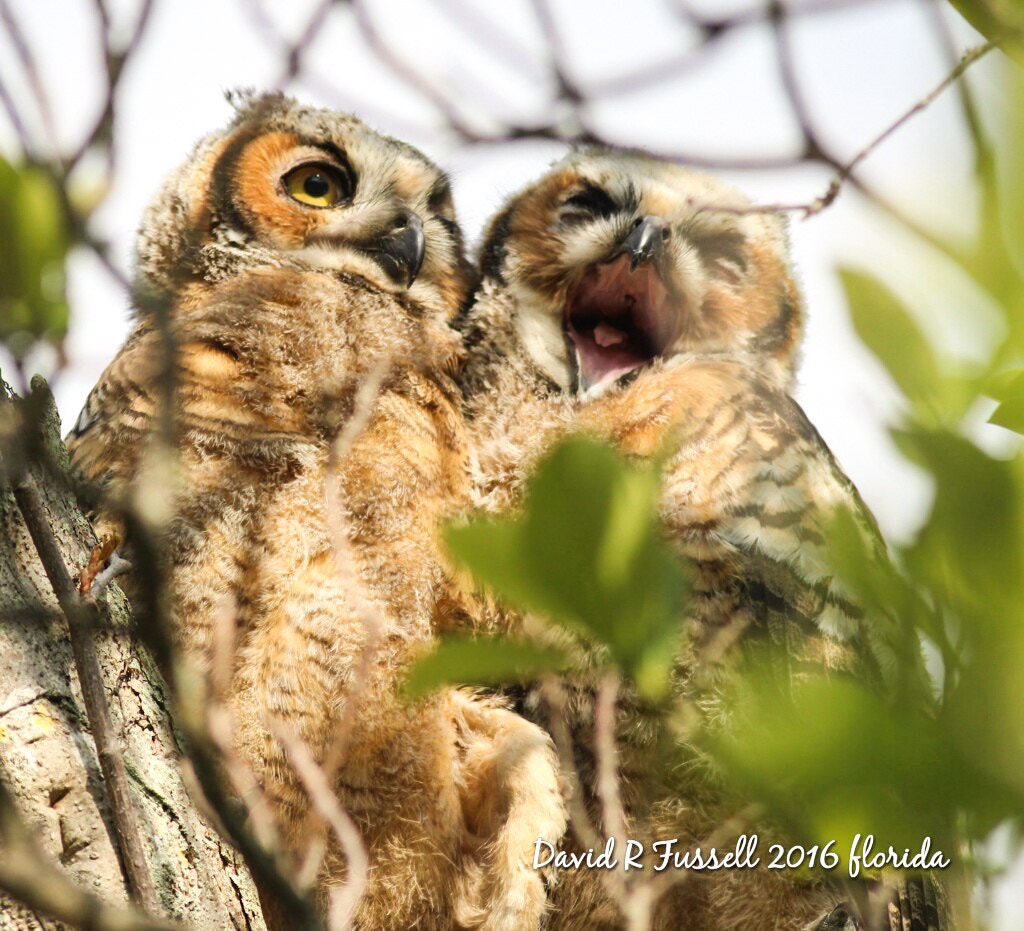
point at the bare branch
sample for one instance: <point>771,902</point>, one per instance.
<point>553,693</point>
<point>846,171</point>
<point>206,729</point>
<point>412,78</point>
<point>711,30</point>
<point>318,786</point>
<point>968,59</point>
<point>116,60</point>
<point>35,82</point>
<point>567,88</point>
<point>813,150</point>
<point>613,815</point>
<point>482,30</point>
<point>367,613</point>
<point>82,619</point>
<point>24,138</point>
<point>298,48</point>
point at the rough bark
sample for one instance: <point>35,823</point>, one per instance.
<point>48,758</point>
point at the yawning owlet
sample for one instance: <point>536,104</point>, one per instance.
<point>649,303</point>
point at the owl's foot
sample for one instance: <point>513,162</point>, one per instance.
<point>94,578</point>
<point>841,918</point>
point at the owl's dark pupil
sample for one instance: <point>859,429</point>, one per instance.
<point>316,186</point>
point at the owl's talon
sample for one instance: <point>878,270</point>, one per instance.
<point>117,565</point>
<point>94,578</point>
<point>841,918</point>
<point>98,558</point>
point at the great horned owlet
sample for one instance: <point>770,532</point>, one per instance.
<point>644,302</point>
<point>296,253</point>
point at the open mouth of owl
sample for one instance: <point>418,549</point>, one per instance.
<point>619,320</point>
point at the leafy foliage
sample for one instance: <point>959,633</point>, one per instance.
<point>34,241</point>
<point>588,552</point>
<point>481,661</point>
<point>941,755</point>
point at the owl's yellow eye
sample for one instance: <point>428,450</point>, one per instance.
<point>316,185</point>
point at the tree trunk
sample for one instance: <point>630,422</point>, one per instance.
<point>48,758</point>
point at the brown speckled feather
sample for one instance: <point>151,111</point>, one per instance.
<point>281,305</point>
<point>647,304</point>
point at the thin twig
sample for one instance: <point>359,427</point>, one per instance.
<point>116,60</point>
<point>553,693</point>
<point>243,781</point>
<point>499,42</point>
<point>813,150</point>
<point>299,47</point>
<point>367,613</point>
<point>968,59</point>
<point>24,138</point>
<point>637,901</point>
<point>558,59</point>
<point>846,171</point>
<point>712,30</point>
<point>220,724</point>
<point>613,816</point>
<point>318,787</point>
<point>208,755</point>
<point>416,81</point>
<point>28,64</point>
<point>208,749</point>
<point>322,88</point>
<point>82,619</point>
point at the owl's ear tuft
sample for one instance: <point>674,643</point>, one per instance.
<point>250,104</point>
<point>240,98</point>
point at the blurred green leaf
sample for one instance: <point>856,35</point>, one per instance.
<point>837,761</point>
<point>588,551</point>
<point>971,546</point>
<point>888,330</point>
<point>895,605</point>
<point>1013,182</point>
<point>994,19</point>
<point>1010,414</point>
<point>1005,385</point>
<point>34,241</point>
<point>480,661</point>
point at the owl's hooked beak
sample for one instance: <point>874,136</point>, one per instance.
<point>645,242</point>
<point>622,316</point>
<point>400,252</point>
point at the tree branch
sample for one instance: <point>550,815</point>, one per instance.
<point>83,617</point>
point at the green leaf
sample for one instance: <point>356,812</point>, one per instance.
<point>893,607</point>
<point>588,552</point>
<point>1005,385</point>
<point>1010,414</point>
<point>994,19</point>
<point>888,330</point>
<point>34,241</point>
<point>971,545</point>
<point>836,761</point>
<point>491,549</point>
<point>469,661</point>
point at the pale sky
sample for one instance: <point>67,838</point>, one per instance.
<point>860,69</point>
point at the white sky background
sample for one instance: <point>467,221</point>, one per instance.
<point>860,68</point>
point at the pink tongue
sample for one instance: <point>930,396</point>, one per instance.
<point>605,335</point>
